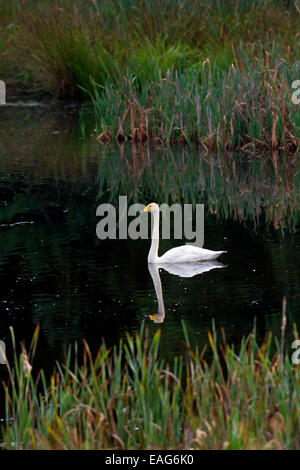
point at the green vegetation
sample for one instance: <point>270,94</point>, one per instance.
<point>216,76</point>
<point>127,398</point>
<point>220,77</point>
<point>260,190</point>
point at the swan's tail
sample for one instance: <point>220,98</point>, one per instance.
<point>218,253</point>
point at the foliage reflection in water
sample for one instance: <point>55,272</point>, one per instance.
<point>54,270</point>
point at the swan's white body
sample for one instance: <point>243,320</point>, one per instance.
<point>179,254</point>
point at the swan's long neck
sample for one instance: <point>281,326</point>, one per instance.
<point>153,252</point>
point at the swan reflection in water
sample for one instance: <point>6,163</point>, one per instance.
<point>180,269</point>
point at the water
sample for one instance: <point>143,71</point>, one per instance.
<point>54,271</point>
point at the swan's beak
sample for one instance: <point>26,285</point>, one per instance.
<point>152,317</point>
<point>147,208</point>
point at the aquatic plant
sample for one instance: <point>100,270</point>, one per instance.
<point>247,107</point>
<point>229,397</point>
<point>59,47</point>
<point>220,77</point>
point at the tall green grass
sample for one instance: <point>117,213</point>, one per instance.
<point>229,397</point>
<point>220,76</point>
<point>59,47</point>
<point>260,190</point>
<point>245,107</point>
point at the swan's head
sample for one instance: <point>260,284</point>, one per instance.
<point>152,207</point>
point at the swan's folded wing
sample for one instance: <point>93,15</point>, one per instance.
<point>188,254</point>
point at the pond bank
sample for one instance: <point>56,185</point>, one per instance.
<point>243,397</point>
<point>220,78</point>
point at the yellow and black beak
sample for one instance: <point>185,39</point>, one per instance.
<point>147,208</point>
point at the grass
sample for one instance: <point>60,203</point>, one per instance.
<point>62,45</point>
<point>259,190</point>
<point>246,108</point>
<point>220,78</point>
<point>126,397</point>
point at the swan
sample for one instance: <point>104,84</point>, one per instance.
<point>179,254</point>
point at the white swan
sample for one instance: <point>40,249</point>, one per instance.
<point>179,254</point>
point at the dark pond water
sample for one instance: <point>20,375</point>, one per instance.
<point>56,272</point>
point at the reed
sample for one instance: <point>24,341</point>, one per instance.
<point>59,47</point>
<point>220,77</point>
<point>247,107</point>
<point>229,397</point>
<point>261,190</point>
